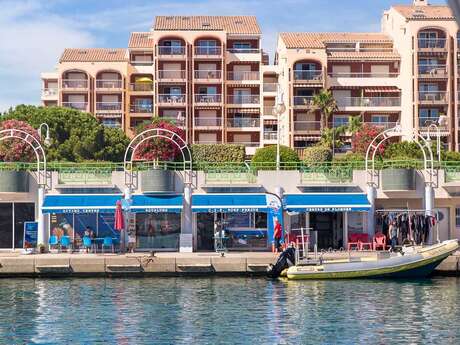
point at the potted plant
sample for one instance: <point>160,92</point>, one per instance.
<point>41,248</point>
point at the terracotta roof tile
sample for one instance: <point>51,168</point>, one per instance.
<point>318,39</point>
<point>140,40</point>
<point>377,56</point>
<point>424,12</point>
<point>93,55</point>
<point>230,24</point>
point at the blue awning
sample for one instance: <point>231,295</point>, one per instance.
<point>105,203</point>
<point>239,203</point>
<point>325,202</point>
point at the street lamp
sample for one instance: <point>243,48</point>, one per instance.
<point>442,121</point>
<point>47,140</point>
<point>279,109</point>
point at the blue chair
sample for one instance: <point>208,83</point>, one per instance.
<point>65,242</point>
<point>108,242</point>
<point>87,243</point>
<point>53,241</point>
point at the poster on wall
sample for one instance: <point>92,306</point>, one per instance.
<point>30,234</point>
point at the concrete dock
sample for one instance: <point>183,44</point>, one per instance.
<point>161,264</point>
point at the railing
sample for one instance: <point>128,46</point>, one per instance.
<point>243,122</point>
<point>166,50</point>
<point>243,99</point>
<point>208,121</point>
<point>245,143</point>
<point>208,98</point>
<point>303,100</point>
<point>369,102</point>
<point>383,125</point>
<point>208,50</point>
<point>108,106</point>
<point>109,84</point>
<point>427,121</point>
<point>326,173</point>
<point>179,122</point>
<point>74,84</point>
<point>208,74</point>
<point>269,110</point>
<point>76,105</point>
<point>431,43</point>
<point>243,75</point>
<point>270,87</point>
<point>143,61</point>
<point>141,108</point>
<point>312,75</point>
<point>230,177</point>
<point>97,176</point>
<point>141,87</point>
<point>432,96</point>
<point>270,135</point>
<point>50,91</point>
<point>208,142</point>
<point>171,98</point>
<point>244,50</point>
<point>307,125</point>
<point>432,70</point>
<point>171,74</point>
<point>363,74</point>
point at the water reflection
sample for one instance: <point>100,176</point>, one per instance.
<point>229,311</point>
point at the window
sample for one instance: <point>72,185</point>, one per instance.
<point>379,119</point>
<point>457,216</point>
<point>429,87</point>
<point>158,230</point>
<point>23,212</point>
<point>341,121</point>
<point>207,90</point>
<point>429,113</point>
<point>305,66</point>
<point>207,43</point>
<point>241,45</point>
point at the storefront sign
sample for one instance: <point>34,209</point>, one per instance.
<point>232,210</point>
<point>30,234</point>
<point>328,209</point>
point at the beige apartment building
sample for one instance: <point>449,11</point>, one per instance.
<point>209,74</point>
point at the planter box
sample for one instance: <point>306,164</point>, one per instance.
<point>14,182</point>
<point>158,181</point>
<point>398,179</point>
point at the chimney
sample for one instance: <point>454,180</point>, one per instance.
<point>420,2</point>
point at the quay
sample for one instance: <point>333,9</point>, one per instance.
<point>161,264</point>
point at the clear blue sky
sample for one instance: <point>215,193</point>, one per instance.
<point>33,33</point>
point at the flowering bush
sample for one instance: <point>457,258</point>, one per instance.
<point>17,150</point>
<point>159,148</point>
<point>362,138</point>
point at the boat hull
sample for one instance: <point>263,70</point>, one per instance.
<point>415,265</point>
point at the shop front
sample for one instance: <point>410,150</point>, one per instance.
<point>12,218</point>
<point>328,218</point>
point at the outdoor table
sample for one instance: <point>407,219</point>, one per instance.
<point>99,241</point>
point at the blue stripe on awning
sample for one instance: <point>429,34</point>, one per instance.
<point>106,203</point>
<point>326,202</point>
<point>240,203</point>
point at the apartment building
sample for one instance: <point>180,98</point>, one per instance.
<point>209,74</point>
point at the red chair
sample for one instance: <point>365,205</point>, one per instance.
<point>380,241</point>
<point>364,242</point>
<point>353,241</point>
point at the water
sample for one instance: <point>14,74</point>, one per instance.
<point>229,311</point>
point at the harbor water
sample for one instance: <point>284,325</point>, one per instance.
<point>229,311</point>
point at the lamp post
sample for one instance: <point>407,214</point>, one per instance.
<point>441,122</point>
<point>279,109</point>
<point>47,140</point>
<point>42,235</point>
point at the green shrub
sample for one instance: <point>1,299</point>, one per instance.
<point>317,154</point>
<point>265,158</point>
<point>217,153</point>
<point>403,150</point>
<point>450,156</point>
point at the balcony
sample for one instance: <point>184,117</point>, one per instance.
<point>50,93</point>
<point>307,126</point>
<point>211,52</point>
<point>109,85</point>
<point>171,52</point>
<point>171,75</point>
<point>208,122</point>
<point>208,76</point>
<point>432,44</point>
<point>270,87</point>
<point>363,75</point>
<point>303,102</point>
<point>82,106</point>
<point>141,87</point>
<point>243,54</point>
<point>382,125</point>
<point>243,76</point>
<point>269,110</point>
<point>369,102</point>
<point>432,97</point>
<point>432,71</point>
<point>208,99</point>
<point>75,84</point>
<point>427,121</point>
<point>146,108</point>
<point>309,77</point>
<point>270,135</point>
<point>109,106</point>
<point>243,100</point>
<point>241,123</point>
<point>172,100</point>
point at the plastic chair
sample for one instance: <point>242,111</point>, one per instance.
<point>87,243</point>
<point>65,242</point>
<point>364,242</point>
<point>380,241</point>
<point>108,242</point>
<point>353,241</point>
<point>53,241</point>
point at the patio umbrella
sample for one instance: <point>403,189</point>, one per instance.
<point>144,80</point>
<point>119,219</point>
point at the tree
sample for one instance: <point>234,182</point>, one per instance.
<point>361,140</point>
<point>324,101</point>
<point>17,150</point>
<point>266,157</point>
<point>332,137</point>
<point>355,123</point>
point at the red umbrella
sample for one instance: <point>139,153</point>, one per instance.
<point>119,220</point>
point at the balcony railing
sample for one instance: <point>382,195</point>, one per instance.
<point>369,102</point>
<point>270,87</point>
<point>427,121</point>
<point>208,121</point>
<point>307,125</point>
<point>74,84</point>
<point>141,87</point>
<point>208,98</point>
<point>208,50</point>
<point>164,98</point>
<point>208,74</point>
<point>76,105</point>
<point>148,60</point>
<point>50,91</point>
<point>108,106</point>
<point>303,101</point>
<point>312,75</point>
<point>243,75</point>
<point>244,50</point>
<point>432,96</point>
<point>383,125</point>
<point>243,123</point>
<point>141,108</point>
<point>243,99</point>
<point>431,43</point>
<point>270,135</point>
<point>245,143</point>
<point>363,74</point>
<point>230,177</point>
<point>207,142</point>
<point>166,50</point>
<point>432,70</point>
<point>109,84</point>
<point>171,74</point>
<point>269,110</point>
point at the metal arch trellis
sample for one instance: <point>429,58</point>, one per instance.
<point>152,134</point>
<point>397,131</point>
<point>35,145</point>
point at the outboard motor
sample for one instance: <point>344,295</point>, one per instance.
<point>285,260</point>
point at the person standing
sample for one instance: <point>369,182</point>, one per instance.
<point>277,235</point>
<point>393,233</point>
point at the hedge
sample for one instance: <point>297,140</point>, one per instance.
<point>265,158</point>
<point>317,154</point>
<point>217,153</point>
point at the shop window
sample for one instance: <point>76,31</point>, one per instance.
<point>106,225</point>
<point>158,230</point>
<point>457,217</point>
<point>82,221</point>
<point>62,225</point>
<point>6,225</point>
<point>23,212</point>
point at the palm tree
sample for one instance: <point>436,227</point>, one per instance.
<point>355,123</point>
<point>324,101</point>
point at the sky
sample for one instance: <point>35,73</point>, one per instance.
<point>33,33</point>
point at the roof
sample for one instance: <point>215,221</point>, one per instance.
<point>374,55</point>
<point>93,55</point>
<point>140,40</point>
<point>318,39</point>
<point>424,12</point>
<point>230,24</point>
